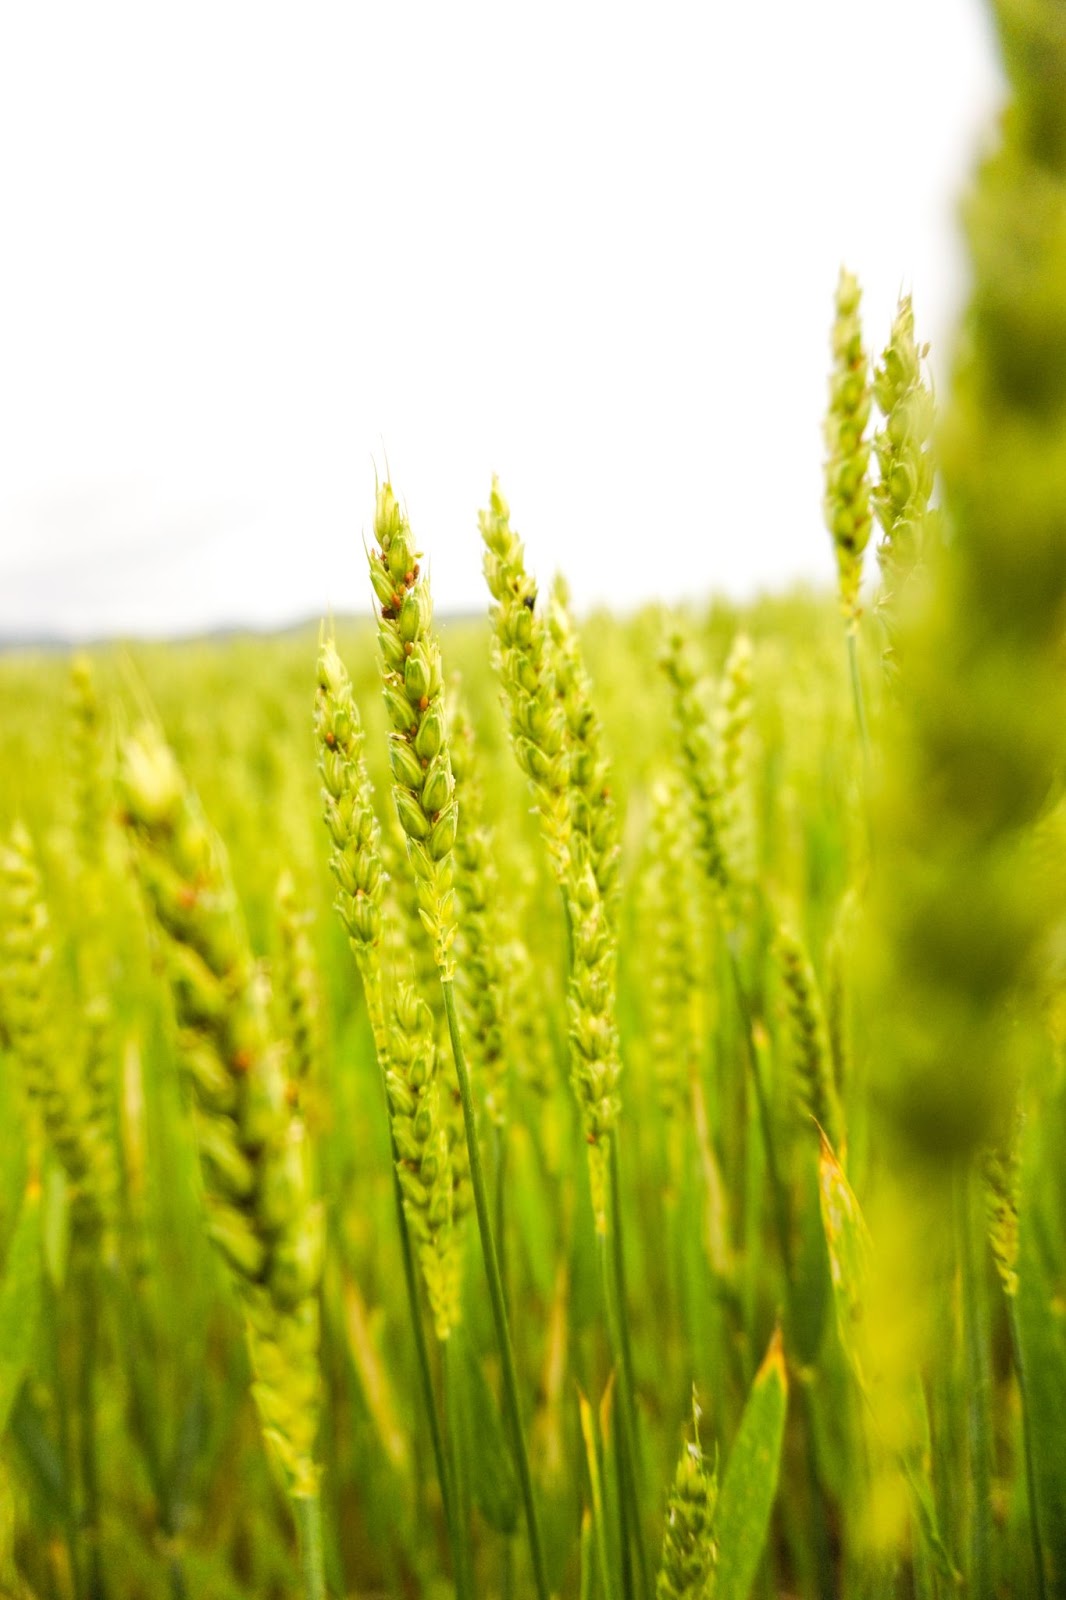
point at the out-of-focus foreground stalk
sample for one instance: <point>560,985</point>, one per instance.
<point>958,913</point>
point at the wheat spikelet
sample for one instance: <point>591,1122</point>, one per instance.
<point>414,1082</point>
<point>672,961</point>
<point>847,493</point>
<point>483,968</point>
<point>713,727</point>
<point>423,1150</point>
<point>348,801</point>
<point>1001,1185</point>
<point>905,461</point>
<point>808,1038</point>
<point>690,1552</point>
<point>593,813</point>
<point>253,1148</point>
<point>297,992</point>
<point>521,657</point>
<point>423,787</point>
<point>555,736</point>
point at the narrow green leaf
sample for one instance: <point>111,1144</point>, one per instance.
<point>750,1481</point>
<point>20,1300</point>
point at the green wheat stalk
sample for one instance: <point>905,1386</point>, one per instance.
<point>424,795</point>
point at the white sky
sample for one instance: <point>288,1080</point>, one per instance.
<point>247,250</point>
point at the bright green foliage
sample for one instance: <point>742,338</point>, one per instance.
<point>847,490</point>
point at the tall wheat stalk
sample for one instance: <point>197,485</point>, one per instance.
<point>357,867</point>
<point>424,792</point>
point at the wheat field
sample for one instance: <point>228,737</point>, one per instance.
<point>538,1105</point>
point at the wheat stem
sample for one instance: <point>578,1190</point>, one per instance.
<point>500,1143</point>
<point>460,1478</point>
<point>631,1521</point>
<point>1027,1437</point>
<point>371,975</point>
<point>857,691</point>
<point>499,1308</point>
<point>617,1319</point>
<point>308,1514</point>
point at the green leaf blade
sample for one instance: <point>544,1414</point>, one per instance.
<point>750,1482</point>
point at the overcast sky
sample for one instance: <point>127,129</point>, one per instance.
<point>250,250</point>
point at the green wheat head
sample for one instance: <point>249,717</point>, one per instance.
<point>254,1152</point>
